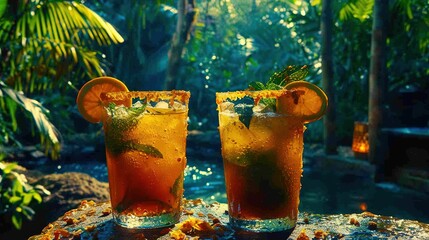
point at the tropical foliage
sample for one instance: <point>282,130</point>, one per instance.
<point>240,42</point>
<point>407,56</point>
<point>46,46</point>
<point>18,197</point>
<point>141,61</point>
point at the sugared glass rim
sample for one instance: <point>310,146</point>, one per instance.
<point>148,96</point>
<point>256,95</point>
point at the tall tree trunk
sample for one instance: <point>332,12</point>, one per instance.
<point>329,136</point>
<point>186,15</point>
<point>377,81</point>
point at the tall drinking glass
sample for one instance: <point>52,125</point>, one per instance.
<point>145,151</point>
<point>262,157</point>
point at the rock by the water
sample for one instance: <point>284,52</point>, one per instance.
<point>68,190</point>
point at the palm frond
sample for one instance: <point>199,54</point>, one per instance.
<point>49,135</point>
<point>65,21</point>
<point>51,39</point>
<point>36,59</point>
<point>360,9</point>
<point>405,6</point>
<point>3,6</point>
<point>5,27</point>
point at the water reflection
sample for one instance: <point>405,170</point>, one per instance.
<point>329,191</point>
<point>323,190</point>
<point>205,180</point>
<point>202,179</point>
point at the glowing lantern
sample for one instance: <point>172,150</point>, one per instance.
<point>360,145</point>
<point>363,207</point>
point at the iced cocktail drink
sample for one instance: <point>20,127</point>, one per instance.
<point>145,150</point>
<point>262,156</point>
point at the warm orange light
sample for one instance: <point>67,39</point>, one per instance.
<point>363,207</point>
<point>360,143</point>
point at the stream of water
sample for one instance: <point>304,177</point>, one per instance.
<point>323,191</point>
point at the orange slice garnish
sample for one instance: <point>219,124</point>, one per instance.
<point>306,101</point>
<point>89,101</point>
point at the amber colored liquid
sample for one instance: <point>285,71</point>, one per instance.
<point>143,184</point>
<point>263,165</point>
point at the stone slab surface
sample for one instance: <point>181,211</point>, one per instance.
<point>210,221</point>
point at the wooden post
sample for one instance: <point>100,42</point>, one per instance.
<point>377,81</point>
<point>329,136</point>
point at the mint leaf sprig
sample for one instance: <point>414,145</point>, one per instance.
<point>114,136</point>
<point>279,80</point>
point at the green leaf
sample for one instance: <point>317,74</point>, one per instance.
<point>14,199</point>
<point>28,212</point>
<point>147,149</point>
<point>37,197</point>
<point>12,106</point>
<point>359,9</point>
<point>17,187</point>
<point>289,74</point>
<point>178,184</point>
<point>9,167</point>
<point>253,157</point>
<point>49,135</point>
<point>256,86</point>
<point>273,86</point>
<point>27,198</point>
<point>3,6</point>
<point>121,147</point>
<point>118,125</point>
<point>299,74</point>
<point>277,81</point>
<point>17,221</point>
<point>409,12</point>
<point>315,2</point>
